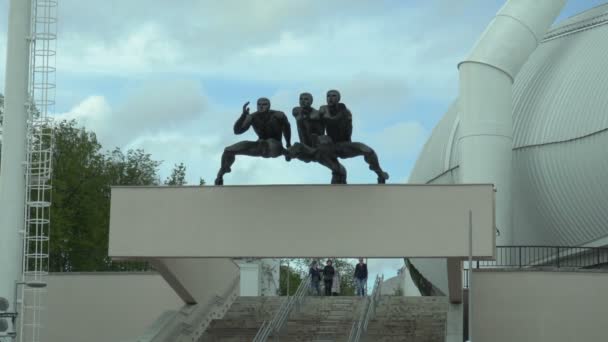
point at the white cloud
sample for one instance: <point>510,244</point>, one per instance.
<point>154,107</point>
<point>343,43</point>
<point>91,112</point>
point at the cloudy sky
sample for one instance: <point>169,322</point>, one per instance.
<point>171,76</point>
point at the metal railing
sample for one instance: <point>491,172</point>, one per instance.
<point>275,325</point>
<point>542,256</point>
<point>359,326</point>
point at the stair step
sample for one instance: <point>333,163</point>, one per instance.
<point>325,319</point>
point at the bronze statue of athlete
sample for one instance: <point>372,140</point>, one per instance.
<point>339,127</point>
<point>314,145</point>
<point>269,125</point>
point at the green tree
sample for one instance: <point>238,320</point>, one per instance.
<point>295,278</point>
<point>134,168</point>
<point>82,180</point>
<point>80,203</point>
<point>201,181</point>
<point>178,175</point>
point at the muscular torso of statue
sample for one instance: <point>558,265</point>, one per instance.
<point>338,122</point>
<point>268,125</point>
<point>309,124</point>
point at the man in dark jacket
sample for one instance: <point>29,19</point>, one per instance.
<point>315,278</point>
<point>328,277</point>
<point>361,277</point>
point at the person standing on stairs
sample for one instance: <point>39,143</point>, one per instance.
<point>315,278</point>
<point>335,286</point>
<point>328,277</point>
<point>360,277</point>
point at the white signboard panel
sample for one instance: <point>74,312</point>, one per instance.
<point>302,221</point>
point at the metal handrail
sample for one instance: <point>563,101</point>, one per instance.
<point>357,327</point>
<point>263,332</point>
<point>360,326</point>
<point>542,256</point>
<point>375,297</point>
<point>278,320</point>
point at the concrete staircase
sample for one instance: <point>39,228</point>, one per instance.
<point>411,319</point>
<point>323,319</point>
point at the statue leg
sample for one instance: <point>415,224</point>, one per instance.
<point>247,148</point>
<point>302,152</point>
<point>339,177</point>
<point>326,156</point>
<point>338,171</point>
<point>355,149</point>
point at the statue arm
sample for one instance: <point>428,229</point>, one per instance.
<point>324,114</point>
<point>297,113</point>
<point>349,124</point>
<point>244,121</point>
<point>286,130</point>
<point>242,124</point>
<point>301,132</point>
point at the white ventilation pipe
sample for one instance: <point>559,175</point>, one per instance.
<point>12,172</point>
<point>486,104</point>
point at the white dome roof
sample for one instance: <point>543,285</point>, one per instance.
<point>560,134</point>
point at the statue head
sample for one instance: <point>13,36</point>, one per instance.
<point>263,104</point>
<point>305,100</point>
<point>333,97</point>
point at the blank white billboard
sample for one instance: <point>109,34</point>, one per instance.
<point>382,221</point>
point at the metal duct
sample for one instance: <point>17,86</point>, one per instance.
<point>486,104</point>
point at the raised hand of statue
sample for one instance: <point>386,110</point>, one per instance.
<point>246,108</point>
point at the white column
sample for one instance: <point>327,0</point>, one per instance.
<point>250,277</point>
<point>12,170</point>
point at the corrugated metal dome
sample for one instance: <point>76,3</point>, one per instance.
<point>560,119</point>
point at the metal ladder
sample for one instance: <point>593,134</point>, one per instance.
<point>38,170</point>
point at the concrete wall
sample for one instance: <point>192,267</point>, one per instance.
<point>104,307</point>
<point>198,280</point>
<point>247,221</point>
<point>539,306</point>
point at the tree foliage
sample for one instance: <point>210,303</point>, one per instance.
<point>81,186</point>
<point>82,179</point>
<point>178,175</point>
<point>295,278</point>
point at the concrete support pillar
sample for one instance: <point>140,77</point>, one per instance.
<point>12,172</point>
<point>250,277</point>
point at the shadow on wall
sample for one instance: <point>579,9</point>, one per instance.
<point>425,287</point>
